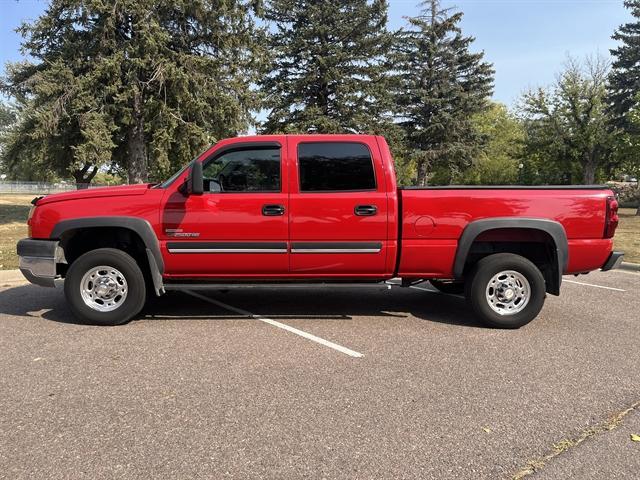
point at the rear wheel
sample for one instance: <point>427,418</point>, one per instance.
<point>452,288</point>
<point>505,290</point>
<point>105,287</point>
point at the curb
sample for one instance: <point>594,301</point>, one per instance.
<point>11,275</point>
<point>10,278</point>
<point>632,267</point>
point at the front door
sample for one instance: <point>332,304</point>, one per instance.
<point>239,226</point>
<point>338,202</point>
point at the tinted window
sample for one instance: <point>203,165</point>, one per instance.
<point>247,170</point>
<point>335,166</point>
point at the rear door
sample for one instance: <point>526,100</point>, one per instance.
<point>338,207</point>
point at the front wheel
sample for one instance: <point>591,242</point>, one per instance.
<point>505,290</point>
<point>105,287</point>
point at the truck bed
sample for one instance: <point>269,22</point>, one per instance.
<point>510,187</point>
<point>433,219</point>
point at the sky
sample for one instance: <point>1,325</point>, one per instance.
<point>527,40</point>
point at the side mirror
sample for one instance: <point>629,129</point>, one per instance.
<point>195,182</point>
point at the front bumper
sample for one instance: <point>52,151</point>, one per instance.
<point>39,259</point>
<point>614,261</point>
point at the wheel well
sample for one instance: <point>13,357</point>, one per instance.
<point>80,241</point>
<point>536,246</point>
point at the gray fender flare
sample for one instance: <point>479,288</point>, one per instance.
<point>138,225</point>
<point>554,229</point>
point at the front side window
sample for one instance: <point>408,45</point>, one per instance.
<point>335,166</point>
<point>244,170</point>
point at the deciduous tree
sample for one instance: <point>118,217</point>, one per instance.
<point>568,122</point>
<point>499,160</point>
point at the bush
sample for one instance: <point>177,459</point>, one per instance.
<point>628,194</point>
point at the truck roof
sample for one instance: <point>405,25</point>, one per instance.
<point>322,136</point>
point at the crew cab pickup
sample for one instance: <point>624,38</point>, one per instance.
<point>314,208</point>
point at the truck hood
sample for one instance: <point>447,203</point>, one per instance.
<point>121,191</point>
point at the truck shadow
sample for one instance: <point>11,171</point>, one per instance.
<point>13,213</point>
<point>331,303</point>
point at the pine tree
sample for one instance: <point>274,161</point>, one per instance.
<point>139,84</point>
<point>7,120</point>
<point>329,71</point>
<point>624,81</point>
<point>442,85</point>
<point>7,117</point>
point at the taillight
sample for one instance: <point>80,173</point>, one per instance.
<point>611,219</point>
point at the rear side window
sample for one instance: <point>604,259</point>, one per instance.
<point>336,166</point>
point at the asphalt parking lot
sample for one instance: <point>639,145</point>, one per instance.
<point>322,382</point>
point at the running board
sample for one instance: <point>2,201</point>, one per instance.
<point>230,286</point>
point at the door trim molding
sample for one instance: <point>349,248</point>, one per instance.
<point>273,247</point>
<point>336,247</point>
<point>227,247</point>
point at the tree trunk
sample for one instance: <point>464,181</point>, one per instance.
<point>423,170</point>
<point>589,173</point>
<point>84,176</point>
<point>136,147</point>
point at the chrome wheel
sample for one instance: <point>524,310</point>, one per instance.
<point>103,288</point>
<point>508,292</point>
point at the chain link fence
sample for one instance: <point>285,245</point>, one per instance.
<point>41,188</point>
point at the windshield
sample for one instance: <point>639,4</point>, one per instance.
<point>168,182</point>
<point>173,178</point>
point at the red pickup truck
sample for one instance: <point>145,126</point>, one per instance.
<point>314,208</point>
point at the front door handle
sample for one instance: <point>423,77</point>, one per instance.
<point>365,210</point>
<point>272,210</point>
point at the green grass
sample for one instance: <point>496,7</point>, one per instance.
<point>627,237</point>
<point>13,217</point>
<point>15,208</point>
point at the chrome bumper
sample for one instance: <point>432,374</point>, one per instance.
<point>38,260</point>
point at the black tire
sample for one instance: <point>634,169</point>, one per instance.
<point>478,281</point>
<point>451,288</point>
<point>127,266</point>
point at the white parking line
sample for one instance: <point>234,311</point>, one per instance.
<point>301,333</point>
<point>626,272</point>
<point>596,286</point>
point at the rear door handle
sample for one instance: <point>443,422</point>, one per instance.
<point>272,210</point>
<point>365,210</point>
